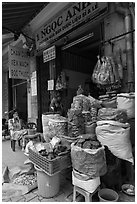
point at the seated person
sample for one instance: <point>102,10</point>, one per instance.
<point>16,133</point>
<point>56,105</point>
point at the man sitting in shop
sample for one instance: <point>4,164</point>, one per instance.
<point>16,133</point>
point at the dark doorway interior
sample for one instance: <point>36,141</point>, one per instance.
<point>43,93</point>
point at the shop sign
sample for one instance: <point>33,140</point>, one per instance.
<point>19,64</point>
<point>49,54</point>
<point>71,17</point>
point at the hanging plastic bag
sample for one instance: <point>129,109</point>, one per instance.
<point>61,82</point>
<point>116,136</point>
<point>96,70</point>
<point>58,83</point>
<point>103,76</point>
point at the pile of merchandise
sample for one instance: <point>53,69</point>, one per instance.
<point>88,157</point>
<point>75,123</point>
<point>88,162</point>
<point>113,129</point>
<point>56,147</point>
<point>83,115</point>
<point>24,179</point>
<point>54,125</point>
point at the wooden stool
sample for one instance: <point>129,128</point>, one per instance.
<point>87,195</point>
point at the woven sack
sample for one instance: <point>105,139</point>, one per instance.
<point>116,136</point>
<point>91,162</point>
<point>126,101</point>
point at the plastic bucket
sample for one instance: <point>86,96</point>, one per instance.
<point>108,195</point>
<point>48,186</point>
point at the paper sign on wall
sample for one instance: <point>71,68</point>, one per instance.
<point>49,54</point>
<point>34,84</point>
<point>50,85</point>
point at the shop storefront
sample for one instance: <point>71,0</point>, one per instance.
<point>79,34</point>
<point>80,93</point>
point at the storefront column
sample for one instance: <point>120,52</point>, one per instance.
<point>52,71</point>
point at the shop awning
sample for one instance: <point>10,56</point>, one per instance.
<point>16,15</point>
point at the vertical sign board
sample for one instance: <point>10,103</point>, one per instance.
<point>19,65</point>
<point>49,54</point>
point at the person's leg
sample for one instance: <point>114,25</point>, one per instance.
<point>23,142</point>
<point>13,145</point>
<point>19,142</point>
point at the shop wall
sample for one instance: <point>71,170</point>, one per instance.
<point>4,93</point>
<point>114,25</point>
<point>74,80</point>
<point>32,99</point>
<point>76,63</point>
<point>73,75</point>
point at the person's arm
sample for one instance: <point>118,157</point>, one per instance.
<point>10,124</point>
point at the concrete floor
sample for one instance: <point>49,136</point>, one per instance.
<point>10,158</point>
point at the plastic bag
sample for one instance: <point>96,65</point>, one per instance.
<point>96,70</point>
<point>61,82</point>
<point>116,136</point>
<point>104,74</point>
<point>106,71</point>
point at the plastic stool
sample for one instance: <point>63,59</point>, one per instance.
<point>87,195</point>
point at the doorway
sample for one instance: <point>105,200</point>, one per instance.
<point>19,89</point>
<point>43,76</point>
<point>79,58</point>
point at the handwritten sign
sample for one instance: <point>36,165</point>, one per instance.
<point>19,64</point>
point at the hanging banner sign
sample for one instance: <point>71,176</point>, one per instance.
<point>49,54</point>
<point>19,64</point>
<point>71,17</point>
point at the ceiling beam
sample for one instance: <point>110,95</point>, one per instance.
<point>6,36</point>
<point>7,43</point>
<point>47,13</point>
<point>20,6</point>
